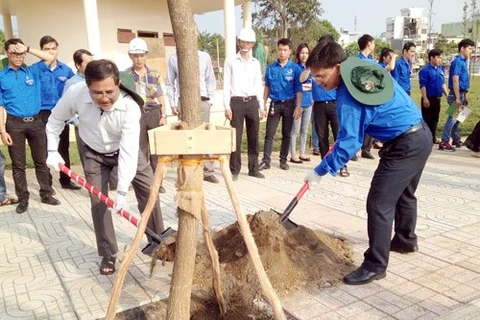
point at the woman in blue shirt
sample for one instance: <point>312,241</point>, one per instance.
<point>301,124</point>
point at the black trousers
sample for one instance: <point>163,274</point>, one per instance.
<point>283,110</point>
<point>392,195</point>
<point>150,119</point>
<point>33,131</point>
<point>324,114</point>
<point>63,145</point>
<point>245,112</point>
<point>367,143</point>
<point>431,114</point>
<point>97,170</point>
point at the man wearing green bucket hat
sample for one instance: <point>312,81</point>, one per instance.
<point>370,102</point>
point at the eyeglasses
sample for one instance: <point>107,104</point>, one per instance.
<point>17,55</point>
<point>99,95</point>
<point>323,77</point>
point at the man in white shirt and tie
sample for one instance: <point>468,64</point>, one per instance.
<point>243,98</point>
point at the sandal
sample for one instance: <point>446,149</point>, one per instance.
<point>107,266</point>
<point>306,159</point>
<point>344,172</point>
<point>8,201</point>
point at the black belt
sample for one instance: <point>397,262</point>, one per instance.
<point>23,119</point>
<point>414,128</point>
<point>326,102</point>
<point>433,97</point>
<point>205,98</point>
<point>244,99</point>
<point>110,154</point>
<point>283,101</point>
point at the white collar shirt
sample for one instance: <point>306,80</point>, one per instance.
<point>242,78</point>
<point>104,131</point>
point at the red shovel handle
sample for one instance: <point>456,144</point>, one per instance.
<point>302,191</point>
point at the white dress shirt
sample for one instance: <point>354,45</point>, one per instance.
<point>208,84</point>
<point>104,131</point>
<point>242,78</point>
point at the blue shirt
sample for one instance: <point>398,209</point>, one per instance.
<point>284,82</point>
<point>383,122</point>
<point>52,83</point>
<point>20,90</point>
<point>402,72</point>
<point>363,57</point>
<point>321,95</point>
<point>458,67</point>
<point>432,79</point>
<point>382,64</point>
<point>306,95</point>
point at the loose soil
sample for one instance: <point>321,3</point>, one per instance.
<point>301,258</point>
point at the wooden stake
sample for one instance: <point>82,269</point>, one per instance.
<point>250,243</point>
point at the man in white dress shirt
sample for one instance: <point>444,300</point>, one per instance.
<point>208,84</point>
<point>109,117</point>
<point>243,96</point>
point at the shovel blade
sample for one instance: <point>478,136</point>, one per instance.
<point>152,246</point>
<point>285,221</point>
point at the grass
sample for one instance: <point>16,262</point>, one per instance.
<point>465,128</point>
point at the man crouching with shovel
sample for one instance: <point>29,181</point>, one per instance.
<point>369,102</point>
<point>109,122</point>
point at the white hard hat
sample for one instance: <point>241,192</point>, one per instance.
<point>137,45</point>
<point>247,34</point>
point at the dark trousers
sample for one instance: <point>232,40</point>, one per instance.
<point>276,111</point>
<point>325,113</point>
<point>149,120</point>
<point>431,114</point>
<point>97,169</point>
<point>392,195</point>
<point>245,112</point>
<point>367,143</point>
<point>34,133</point>
<point>63,145</point>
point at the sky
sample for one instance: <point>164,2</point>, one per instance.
<point>371,14</point>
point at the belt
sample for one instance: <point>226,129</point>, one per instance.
<point>283,101</point>
<point>414,128</point>
<point>23,119</point>
<point>110,154</point>
<point>326,102</point>
<point>244,99</point>
<point>148,109</point>
<point>433,97</point>
<point>205,98</point>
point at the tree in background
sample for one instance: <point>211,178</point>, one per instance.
<point>352,49</point>
<point>2,41</point>
<point>312,32</point>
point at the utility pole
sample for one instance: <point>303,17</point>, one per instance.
<point>430,24</point>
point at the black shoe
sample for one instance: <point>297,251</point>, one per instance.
<point>316,152</point>
<point>457,144</point>
<point>70,185</point>
<point>256,175</point>
<point>162,189</point>
<point>354,158</point>
<point>295,161</point>
<point>211,179</point>
<point>402,249</point>
<point>284,166</point>
<point>263,166</point>
<point>50,200</point>
<point>234,177</point>
<point>362,276</point>
<point>22,206</point>
<point>367,155</point>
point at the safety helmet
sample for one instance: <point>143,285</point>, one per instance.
<point>137,45</point>
<point>247,34</point>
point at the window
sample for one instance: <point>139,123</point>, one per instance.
<point>125,35</point>
<point>147,34</point>
<point>168,39</point>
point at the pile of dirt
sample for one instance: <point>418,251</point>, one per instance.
<point>295,259</point>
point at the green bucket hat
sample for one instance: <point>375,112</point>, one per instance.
<point>366,81</point>
<point>127,84</point>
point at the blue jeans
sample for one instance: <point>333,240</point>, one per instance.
<point>451,125</point>
<point>300,126</point>
<point>314,135</point>
<point>3,185</point>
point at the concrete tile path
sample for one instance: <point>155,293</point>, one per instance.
<point>49,265</point>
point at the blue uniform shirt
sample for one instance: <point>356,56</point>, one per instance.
<point>306,95</point>
<point>20,90</point>
<point>402,73</point>
<point>52,83</point>
<point>321,95</point>
<point>284,82</point>
<point>382,64</point>
<point>432,79</point>
<point>383,122</point>
<point>458,67</point>
<point>363,57</point>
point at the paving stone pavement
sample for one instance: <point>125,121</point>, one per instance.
<point>49,265</point>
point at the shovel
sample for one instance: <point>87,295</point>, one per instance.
<point>157,238</point>
<point>286,222</point>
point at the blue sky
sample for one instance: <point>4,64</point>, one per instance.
<point>371,14</point>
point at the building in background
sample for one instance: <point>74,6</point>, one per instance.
<point>347,37</point>
<point>411,25</point>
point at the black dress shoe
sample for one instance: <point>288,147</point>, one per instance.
<point>211,179</point>
<point>263,166</point>
<point>256,175</point>
<point>284,166</point>
<point>402,249</point>
<point>22,206</point>
<point>362,276</point>
<point>50,200</point>
<point>162,189</point>
<point>367,155</point>
<point>70,185</point>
